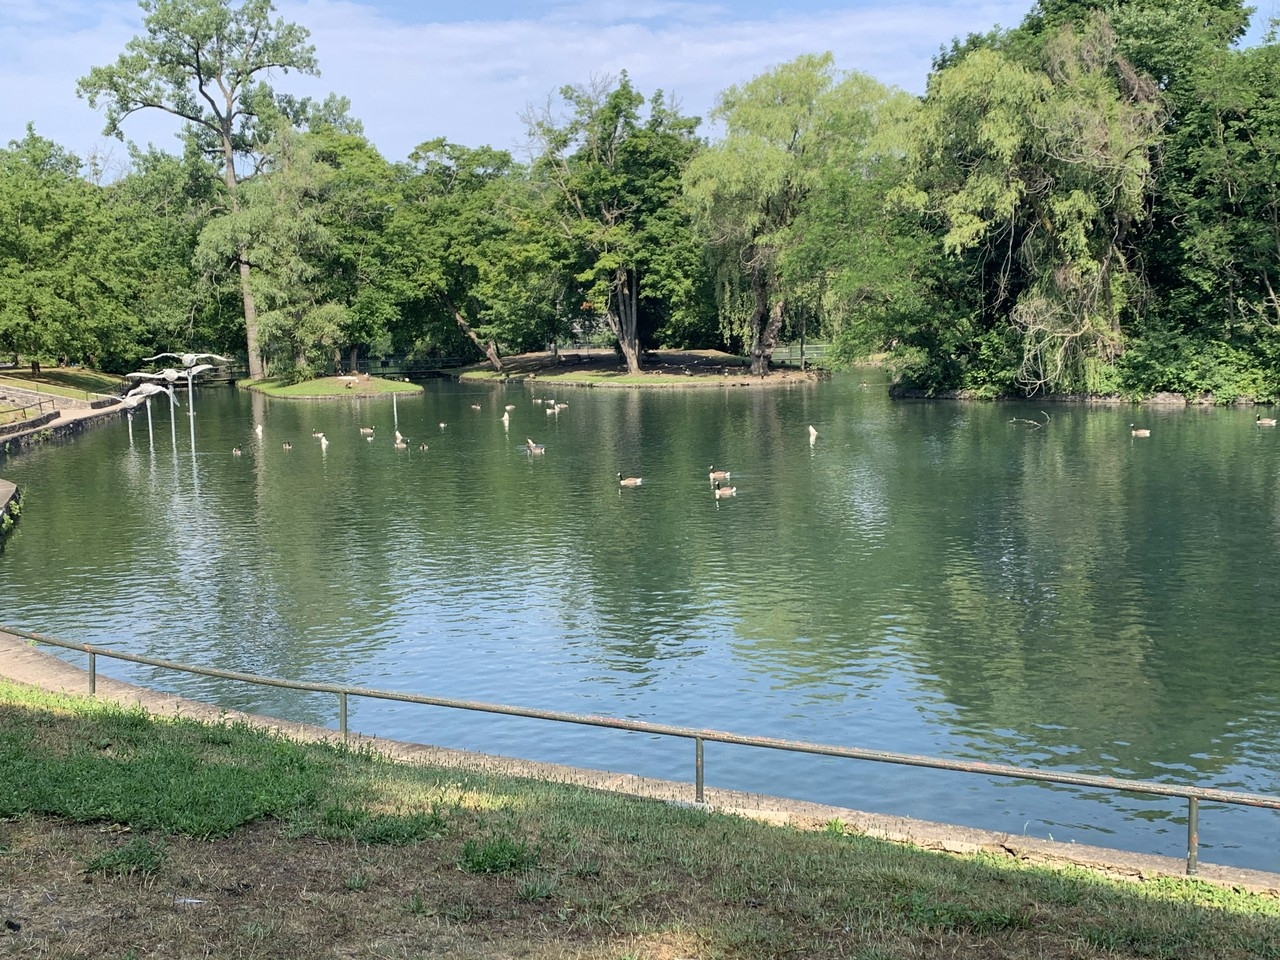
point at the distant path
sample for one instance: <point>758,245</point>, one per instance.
<point>22,662</point>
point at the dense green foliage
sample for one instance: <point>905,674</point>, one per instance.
<point>1084,203</point>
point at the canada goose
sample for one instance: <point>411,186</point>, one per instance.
<point>534,447</point>
<point>725,491</point>
<point>1137,431</point>
<point>629,481</point>
<point>317,434</point>
<point>324,442</point>
<point>552,411</point>
<point>422,447</point>
<point>510,406</point>
<point>400,444</point>
<point>236,451</point>
<point>366,431</point>
<point>399,436</point>
<point>717,474</point>
<point>475,406</point>
<point>287,445</point>
<point>1265,421</point>
<point>443,424</point>
<point>813,434</point>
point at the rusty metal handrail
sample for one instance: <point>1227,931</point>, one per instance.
<point>1192,794</point>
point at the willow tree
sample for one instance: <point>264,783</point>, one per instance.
<point>1039,175</point>
<point>748,190</point>
<point>202,61</point>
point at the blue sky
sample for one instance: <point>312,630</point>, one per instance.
<point>418,70</point>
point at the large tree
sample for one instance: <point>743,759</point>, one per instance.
<point>203,61</point>
<point>1037,176</point>
<point>612,172</point>
<point>68,259</point>
<point>749,189</point>
<point>467,258</point>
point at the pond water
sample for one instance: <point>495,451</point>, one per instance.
<point>932,577</point>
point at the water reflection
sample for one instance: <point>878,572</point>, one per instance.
<point>926,578</point>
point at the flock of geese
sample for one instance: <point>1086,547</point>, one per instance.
<point>1260,420</point>
<point>718,478</point>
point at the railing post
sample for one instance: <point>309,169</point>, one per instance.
<point>1193,834</point>
<point>342,714</point>
<point>697,769</point>
<point>93,673</point>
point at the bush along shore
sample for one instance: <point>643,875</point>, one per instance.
<point>126,834</point>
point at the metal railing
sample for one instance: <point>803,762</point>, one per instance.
<point>12,414</point>
<point>1192,794</point>
<point>795,352</point>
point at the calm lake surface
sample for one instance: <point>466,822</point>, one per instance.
<point>928,577</point>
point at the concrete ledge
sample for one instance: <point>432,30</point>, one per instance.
<point>22,662</point>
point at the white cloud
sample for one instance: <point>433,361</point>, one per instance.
<point>469,80</point>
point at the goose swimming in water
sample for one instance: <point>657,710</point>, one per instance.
<point>629,481</point>
<point>715,474</point>
<point>722,492</point>
<point>1137,431</point>
<point>534,447</point>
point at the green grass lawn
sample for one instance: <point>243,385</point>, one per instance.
<point>77,382</point>
<point>123,834</point>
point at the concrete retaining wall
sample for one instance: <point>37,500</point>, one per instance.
<point>58,429</point>
<point>10,504</point>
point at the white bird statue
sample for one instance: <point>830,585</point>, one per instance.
<point>144,391</point>
<point>189,359</point>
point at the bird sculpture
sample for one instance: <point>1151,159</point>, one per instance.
<point>145,391</point>
<point>189,360</point>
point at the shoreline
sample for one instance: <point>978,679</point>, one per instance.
<point>23,663</point>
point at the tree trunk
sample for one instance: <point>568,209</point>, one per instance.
<point>623,322</point>
<point>765,324</point>
<point>488,348</point>
<point>257,370</point>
